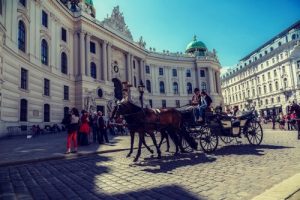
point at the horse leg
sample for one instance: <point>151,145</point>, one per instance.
<point>174,139</point>
<point>162,134</point>
<point>141,135</point>
<point>131,143</point>
<point>147,147</point>
<point>155,143</point>
<point>168,142</point>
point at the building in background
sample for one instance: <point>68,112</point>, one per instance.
<point>54,55</point>
<point>267,79</point>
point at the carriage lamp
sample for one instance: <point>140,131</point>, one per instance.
<point>141,90</point>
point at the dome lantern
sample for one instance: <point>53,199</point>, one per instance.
<point>196,46</point>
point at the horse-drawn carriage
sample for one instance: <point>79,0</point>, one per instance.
<point>175,123</point>
<point>221,126</point>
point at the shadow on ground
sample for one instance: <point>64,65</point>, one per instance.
<point>247,149</point>
<point>170,162</point>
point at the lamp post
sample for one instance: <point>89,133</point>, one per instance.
<point>126,87</point>
<point>141,90</point>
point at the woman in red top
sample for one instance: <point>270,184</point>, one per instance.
<point>84,129</point>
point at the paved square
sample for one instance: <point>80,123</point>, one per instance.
<point>233,172</point>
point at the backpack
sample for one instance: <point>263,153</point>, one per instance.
<point>208,100</point>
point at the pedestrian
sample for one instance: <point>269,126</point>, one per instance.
<point>281,121</point>
<point>95,126</point>
<point>102,129</point>
<point>288,119</point>
<point>84,129</point>
<point>273,120</point>
<point>110,127</point>
<point>71,123</point>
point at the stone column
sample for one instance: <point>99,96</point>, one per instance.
<point>87,54</point>
<point>104,60</point>
<point>143,71</point>
<point>131,75</point>
<point>128,70</point>
<point>109,61</point>
<point>168,84</point>
<point>211,81</point>
<point>197,77</point>
<point>219,83</point>
<point>182,84</point>
<point>99,68</point>
<point>82,54</point>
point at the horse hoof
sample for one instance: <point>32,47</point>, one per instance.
<point>128,155</point>
<point>151,151</point>
<point>159,157</point>
<point>135,160</point>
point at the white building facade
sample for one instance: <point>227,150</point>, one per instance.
<point>54,55</point>
<point>267,79</point>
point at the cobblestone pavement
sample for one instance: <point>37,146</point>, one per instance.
<point>234,172</point>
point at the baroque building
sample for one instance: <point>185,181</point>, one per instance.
<point>54,55</point>
<point>267,79</point>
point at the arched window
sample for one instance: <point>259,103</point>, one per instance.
<point>46,113</point>
<point>64,63</point>
<point>23,110</point>
<point>175,88</point>
<point>162,87</point>
<point>189,88</point>
<point>265,89</point>
<point>279,44</point>
<point>285,83</point>
<point>203,86</point>
<point>22,36</point>
<point>270,87</point>
<point>93,70</point>
<point>293,36</point>
<point>44,52</point>
<point>148,86</point>
<point>276,86</point>
<point>259,90</point>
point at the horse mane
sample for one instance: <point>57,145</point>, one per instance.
<point>136,108</point>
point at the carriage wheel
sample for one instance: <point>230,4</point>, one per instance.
<point>254,133</point>
<point>208,141</point>
<point>226,139</point>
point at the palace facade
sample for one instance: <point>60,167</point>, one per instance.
<point>54,55</point>
<point>267,79</point>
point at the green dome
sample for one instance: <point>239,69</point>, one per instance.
<point>195,45</point>
<point>90,2</point>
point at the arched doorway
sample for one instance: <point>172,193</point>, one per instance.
<point>118,88</point>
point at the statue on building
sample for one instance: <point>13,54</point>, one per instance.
<point>116,21</point>
<point>80,5</point>
<point>90,103</point>
<point>141,42</point>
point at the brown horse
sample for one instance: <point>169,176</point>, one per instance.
<point>296,108</point>
<point>147,121</point>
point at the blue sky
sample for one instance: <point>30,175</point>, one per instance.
<point>233,27</point>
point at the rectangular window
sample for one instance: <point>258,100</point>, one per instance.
<point>134,64</point>
<point>298,64</point>
<point>150,103</point>
<point>202,73</point>
<point>164,103</point>
<point>44,19</point>
<point>174,72</point>
<point>66,92</point>
<point>177,102</point>
<point>161,71</point>
<point>92,47</point>
<point>23,2</point>
<point>24,79</point>
<point>188,73</point>
<point>269,75</point>
<point>1,7</point>
<point>147,69</point>
<point>63,34</point>
<point>46,87</point>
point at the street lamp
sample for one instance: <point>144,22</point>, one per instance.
<point>126,87</point>
<point>141,90</point>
